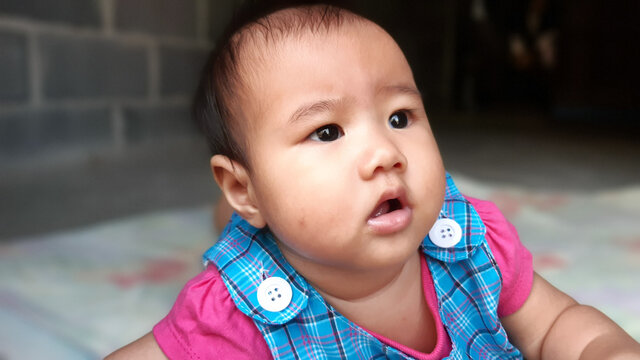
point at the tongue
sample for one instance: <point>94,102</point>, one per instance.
<point>382,209</point>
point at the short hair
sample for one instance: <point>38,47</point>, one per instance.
<point>221,80</point>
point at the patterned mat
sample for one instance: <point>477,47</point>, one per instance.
<point>80,294</point>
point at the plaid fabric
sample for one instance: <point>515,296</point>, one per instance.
<point>468,282</point>
<point>466,279</point>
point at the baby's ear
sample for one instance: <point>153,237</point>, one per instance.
<point>236,186</point>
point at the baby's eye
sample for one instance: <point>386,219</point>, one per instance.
<point>327,133</point>
<point>399,120</point>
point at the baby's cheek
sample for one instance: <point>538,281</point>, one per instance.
<point>321,227</point>
<point>317,220</point>
<point>302,222</point>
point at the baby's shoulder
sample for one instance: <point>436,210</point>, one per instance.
<point>514,260</point>
<point>205,321</point>
<point>206,288</point>
<point>500,232</point>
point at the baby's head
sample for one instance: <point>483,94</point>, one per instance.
<point>227,79</point>
<point>322,136</point>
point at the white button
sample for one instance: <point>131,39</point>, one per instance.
<point>274,294</point>
<point>445,233</point>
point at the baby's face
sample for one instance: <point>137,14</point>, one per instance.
<point>345,169</point>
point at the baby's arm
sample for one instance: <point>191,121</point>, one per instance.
<point>144,348</point>
<point>551,325</point>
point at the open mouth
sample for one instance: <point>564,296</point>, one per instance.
<point>386,207</point>
<point>392,214</point>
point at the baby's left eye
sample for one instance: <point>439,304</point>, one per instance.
<point>327,133</point>
<point>399,120</point>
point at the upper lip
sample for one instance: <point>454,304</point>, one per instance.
<point>398,193</point>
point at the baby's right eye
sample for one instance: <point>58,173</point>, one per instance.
<point>327,133</point>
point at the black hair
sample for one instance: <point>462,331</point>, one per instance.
<point>220,80</point>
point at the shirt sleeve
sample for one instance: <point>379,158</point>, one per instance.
<point>204,323</point>
<point>514,260</point>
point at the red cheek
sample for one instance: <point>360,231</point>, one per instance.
<point>302,222</point>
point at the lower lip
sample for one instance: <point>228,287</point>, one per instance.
<point>391,222</point>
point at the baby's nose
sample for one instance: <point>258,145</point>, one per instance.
<point>381,156</point>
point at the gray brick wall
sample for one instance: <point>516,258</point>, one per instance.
<point>74,12</point>
<point>13,66</point>
<point>165,17</point>
<point>99,76</point>
<point>26,133</point>
<point>179,69</point>
<point>152,122</point>
<point>92,68</point>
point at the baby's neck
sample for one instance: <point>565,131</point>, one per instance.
<point>371,287</point>
<point>355,286</point>
<point>390,303</point>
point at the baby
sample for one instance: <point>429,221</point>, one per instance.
<point>349,240</point>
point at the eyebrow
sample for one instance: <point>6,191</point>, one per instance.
<point>401,89</point>
<point>314,108</point>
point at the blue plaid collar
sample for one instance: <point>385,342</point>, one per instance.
<point>245,256</point>
<point>457,208</point>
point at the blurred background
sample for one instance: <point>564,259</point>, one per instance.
<point>106,194</point>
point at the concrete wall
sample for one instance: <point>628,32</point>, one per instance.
<point>83,77</point>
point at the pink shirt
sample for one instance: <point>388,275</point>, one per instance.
<point>204,322</point>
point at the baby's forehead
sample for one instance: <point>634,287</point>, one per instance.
<point>258,49</point>
<point>260,42</point>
